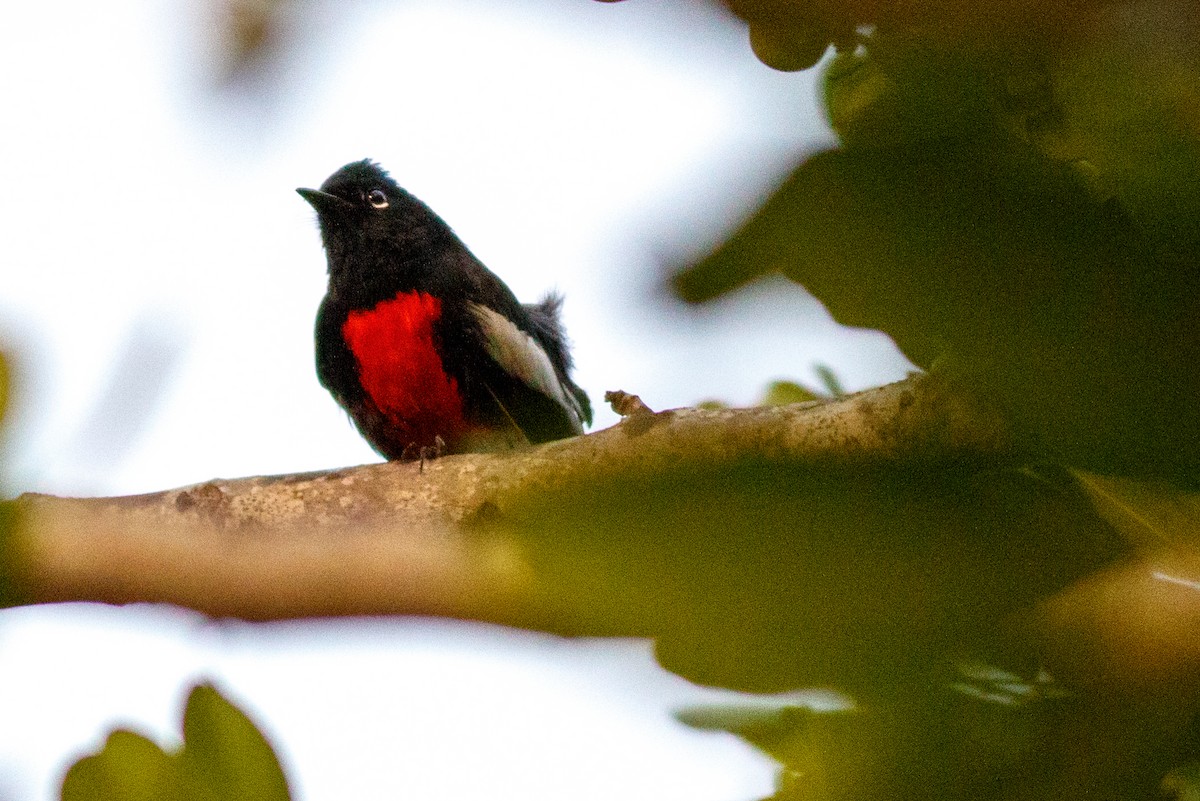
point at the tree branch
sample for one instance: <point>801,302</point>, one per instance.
<point>395,538</point>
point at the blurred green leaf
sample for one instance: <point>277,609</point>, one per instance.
<point>936,741</point>
<point>766,576</point>
<point>788,734</point>
<point>797,45</point>
<point>1183,783</point>
<point>781,393</point>
<point>781,730</point>
<point>1129,94</point>
<point>223,757</point>
<point>1053,307</point>
<point>829,380</point>
<point>896,88</point>
<point>130,767</point>
<point>902,238</point>
<point>1030,207</point>
<point>981,23</point>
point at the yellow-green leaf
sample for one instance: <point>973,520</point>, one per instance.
<point>130,767</point>
<point>225,756</point>
<point>781,393</point>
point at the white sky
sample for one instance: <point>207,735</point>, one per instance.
<point>572,144</point>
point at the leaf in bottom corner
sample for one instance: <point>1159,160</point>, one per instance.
<point>224,755</point>
<point>130,767</point>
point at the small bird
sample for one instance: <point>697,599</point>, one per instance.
<point>426,348</point>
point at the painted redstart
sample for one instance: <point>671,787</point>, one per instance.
<point>424,347</point>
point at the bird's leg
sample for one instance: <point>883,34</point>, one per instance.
<point>432,452</point>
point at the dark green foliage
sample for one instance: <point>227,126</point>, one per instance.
<point>974,735</point>
<point>1049,303</point>
<point>829,381</point>
<point>1021,214</point>
<point>780,393</point>
<point>129,768</point>
<point>791,47</point>
<point>223,758</point>
<point>1183,783</point>
<point>903,89</point>
<point>975,732</point>
<point>1152,515</point>
<point>1031,211</point>
<point>1127,96</point>
<point>769,577</point>
<point>224,755</point>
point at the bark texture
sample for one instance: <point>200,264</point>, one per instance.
<point>402,538</point>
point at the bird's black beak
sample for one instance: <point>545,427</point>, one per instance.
<point>324,202</point>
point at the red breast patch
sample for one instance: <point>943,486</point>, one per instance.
<point>401,370</point>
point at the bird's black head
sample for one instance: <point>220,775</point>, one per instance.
<point>366,216</point>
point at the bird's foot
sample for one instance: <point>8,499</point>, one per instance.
<point>421,453</point>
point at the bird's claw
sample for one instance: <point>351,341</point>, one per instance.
<point>419,453</point>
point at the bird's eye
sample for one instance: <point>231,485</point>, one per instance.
<point>377,198</point>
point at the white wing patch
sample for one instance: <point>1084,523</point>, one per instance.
<point>523,358</point>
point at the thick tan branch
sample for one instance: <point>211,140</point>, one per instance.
<point>395,538</point>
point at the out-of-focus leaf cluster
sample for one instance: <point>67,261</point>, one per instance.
<point>224,757</point>
<point>957,739</point>
<point>1026,207</point>
<point>1015,199</point>
<point>782,392</point>
<point>895,586</point>
<point>768,577</point>
<point>794,34</point>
